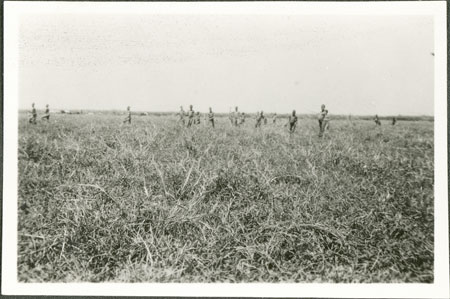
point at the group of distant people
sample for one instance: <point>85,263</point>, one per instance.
<point>378,122</point>
<point>237,118</point>
<point>193,118</point>
<point>33,117</point>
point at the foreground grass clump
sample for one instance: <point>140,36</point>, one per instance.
<point>157,202</point>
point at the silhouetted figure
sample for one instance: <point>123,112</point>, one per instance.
<point>377,120</point>
<point>242,118</point>
<point>259,119</point>
<point>211,117</point>
<point>181,116</point>
<point>321,117</point>
<point>46,113</point>
<point>235,116</point>
<point>128,117</point>
<point>191,115</point>
<point>326,122</point>
<point>292,122</point>
<point>33,117</point>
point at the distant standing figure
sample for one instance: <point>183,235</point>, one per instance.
<point>259,118</point>
<point>321,117</point>
<point>292,122</point>
<point>377,120</point>
<point>274,118</point>
<point>235,117</point>
<point>46,113</point>
<point>211,117</point>
<point>230,116</point>
<point>33,117</point>
<point>394,120</point>
<point>242,118</point>
<point>190,116</point>
<point>197,118</point>
<point>181,116</point>
<point>326,122</point>
<point>128,117</point>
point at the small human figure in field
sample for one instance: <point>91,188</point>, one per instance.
<point>377,120</point>
<point>265,120</point>
<point>197,118</point>
<point>211,117</point>
<point>46,113</point>
<point>274,119</point>
<point>394,120</point>
<point>181,116</point>
<point>321,117</point>
<point>33,116</point>
<point>235,117</point>
<point>292,122</point>
<point>326,122</point>
<point>259,119</point>
<point>190,115</point>
<point>242,118</point>
<point>128,117</point>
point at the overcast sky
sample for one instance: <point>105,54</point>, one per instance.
<point>353,64</point>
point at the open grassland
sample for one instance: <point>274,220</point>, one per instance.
<point>156,202</point>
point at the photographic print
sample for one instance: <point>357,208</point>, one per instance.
<point>225,146</point>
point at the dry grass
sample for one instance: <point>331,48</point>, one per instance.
<point>156,202</point>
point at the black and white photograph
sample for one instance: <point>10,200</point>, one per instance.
<point>225,145</point>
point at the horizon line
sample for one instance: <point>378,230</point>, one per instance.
<point>58,110</point>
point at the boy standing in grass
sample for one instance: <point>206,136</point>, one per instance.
<point>274,118</point>
<point>292,122</point>
<point>190,116</point>
<point>321,117</point>
<point>211,117</point>
<point>33,116</point>
<point>128,117</point>
<point>394,120</point>
<point>46,114</point>
<point>197,118</point>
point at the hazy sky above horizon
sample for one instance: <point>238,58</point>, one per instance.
<point>276,63</point>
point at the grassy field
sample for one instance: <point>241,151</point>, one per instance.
<point>156,202</point>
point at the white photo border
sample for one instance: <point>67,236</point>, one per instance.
<point>10,284</point>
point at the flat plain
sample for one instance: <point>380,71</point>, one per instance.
<point>157,202</point>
